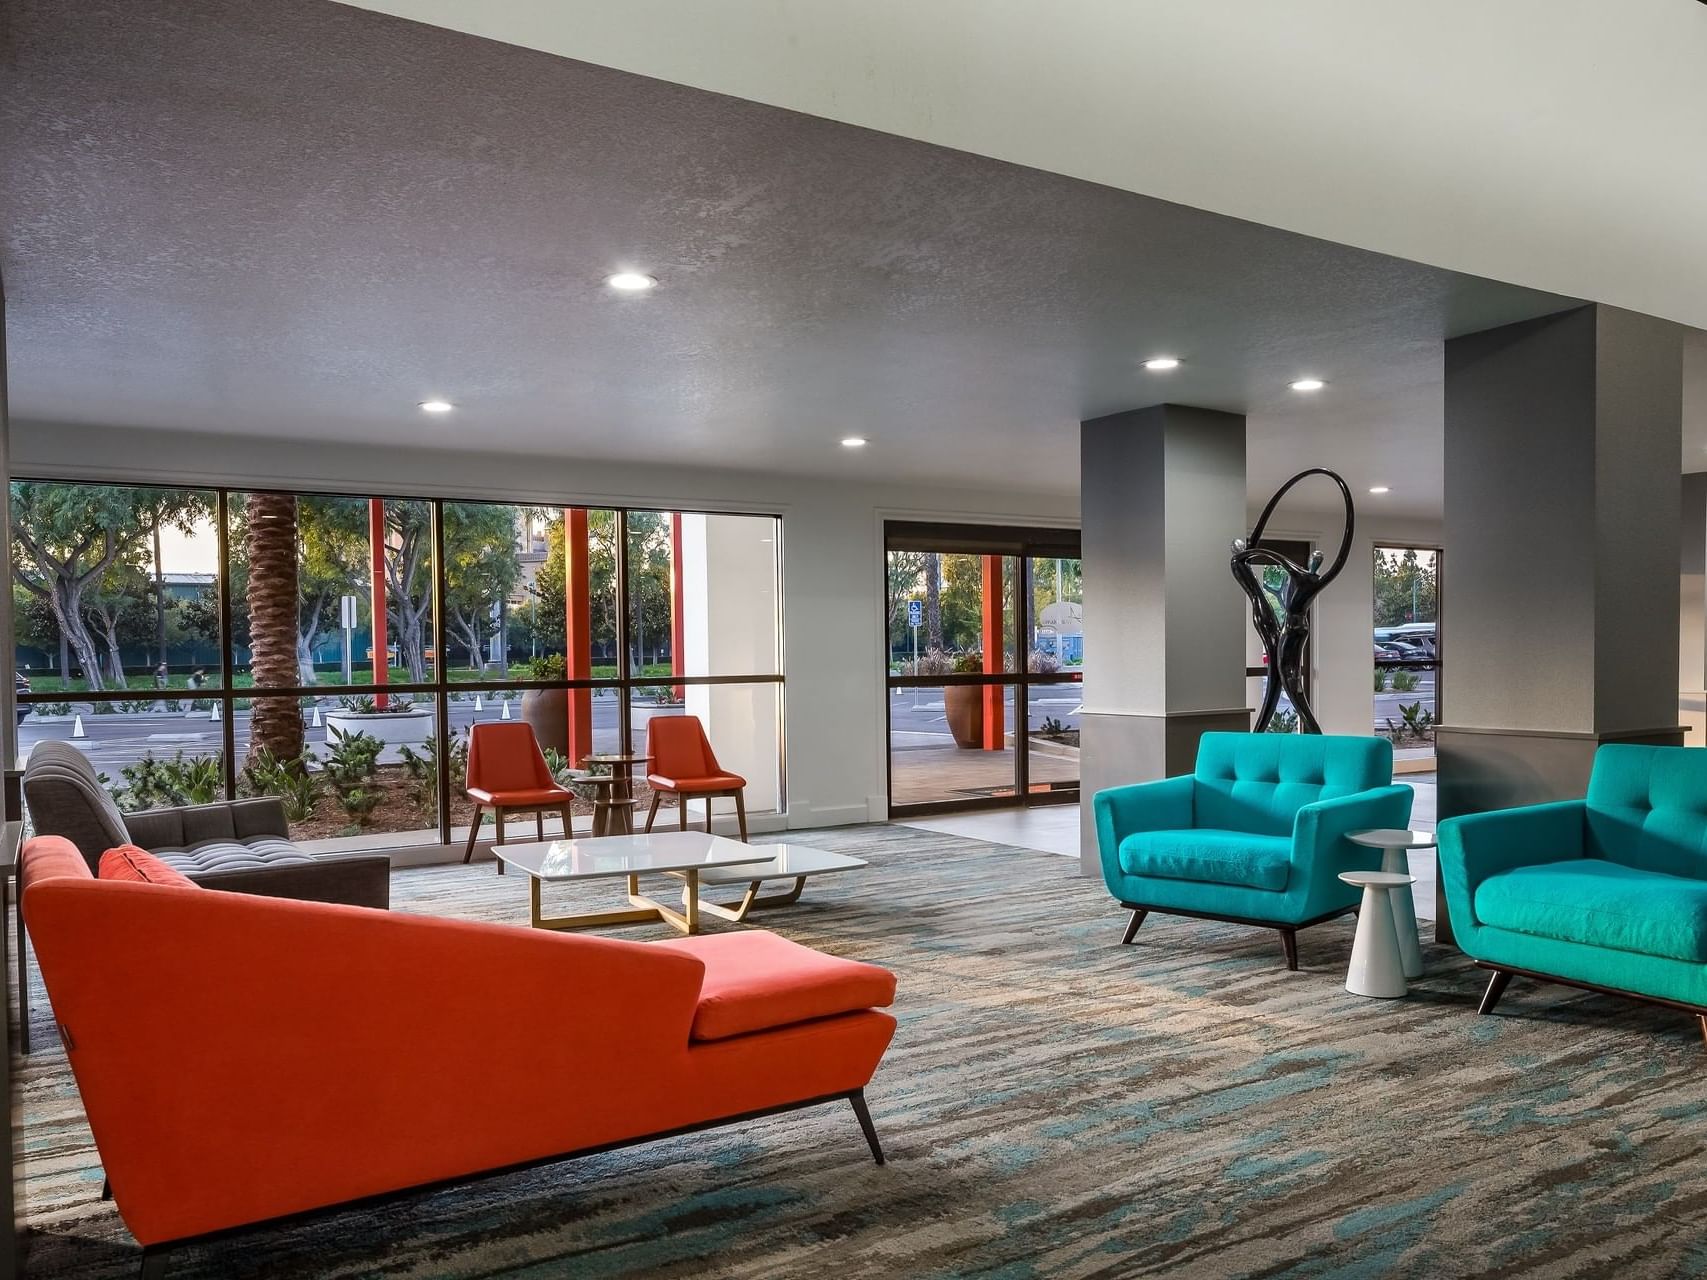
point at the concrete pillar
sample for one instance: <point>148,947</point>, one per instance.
<point>1692,610</point>
<point>1162,496</point>
<point>729,627</point>
<point>1562,514</point>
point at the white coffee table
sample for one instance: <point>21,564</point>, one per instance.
<point>1395,844</point>
<point>783,862</point>
<point>1377,969</point>
<point>685,854</point>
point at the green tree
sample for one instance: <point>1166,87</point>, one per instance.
<point>549,583</point>
<point>482,566</point>
<point>1405,586</point>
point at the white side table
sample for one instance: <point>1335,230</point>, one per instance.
<point>1394,845</point>
<point>1377,968</point>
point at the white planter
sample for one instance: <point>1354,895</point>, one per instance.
<point>409,727</point>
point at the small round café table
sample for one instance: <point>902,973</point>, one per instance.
<point>614,805</point>
<point>1376,966</point>
<point>1394,845</point>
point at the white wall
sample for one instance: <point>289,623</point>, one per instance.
<point>833,606</point>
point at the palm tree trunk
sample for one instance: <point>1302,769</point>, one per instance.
<point>276,723</point>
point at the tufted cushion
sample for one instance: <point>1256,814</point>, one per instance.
<point>233,855</point>
<point>1647,808</point>
<point>127,862</point>
<point>1213,857</point>
<point>1257,782</point>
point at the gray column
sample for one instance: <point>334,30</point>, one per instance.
<point>1692,610</point>
<point>1562,513</point>
<point>1162,496</point>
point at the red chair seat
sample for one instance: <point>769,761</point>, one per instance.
<point>520,798</point>
<point>710,782</point>
<point>757,981</point>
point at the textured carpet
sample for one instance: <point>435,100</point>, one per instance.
<point>1058,1105</point>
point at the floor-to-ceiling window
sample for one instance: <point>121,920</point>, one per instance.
<point>985,641</point>
<point>1407,653</point>
<point>335,650</point>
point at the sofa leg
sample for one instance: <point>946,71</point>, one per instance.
<point>1138,914</point>
<point>1704,1026</point>
<point>106,1188</point>
<point>857,1097</point>
<point>1496,989</point>
<point>1289,943</point>
<point>153,1264</point>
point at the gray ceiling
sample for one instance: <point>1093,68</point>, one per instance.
<point>294,218</point>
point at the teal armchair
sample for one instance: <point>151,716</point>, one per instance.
<point>1607,893</point>
<point>1255,835</point>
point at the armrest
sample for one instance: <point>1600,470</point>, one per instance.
<point>1166,805</point>
<point>1320,828</point>
<point>357,880</point>
<point>1480,845</point>
<point>457,1046</point>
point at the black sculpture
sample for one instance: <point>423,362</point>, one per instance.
<point>1284,636</point>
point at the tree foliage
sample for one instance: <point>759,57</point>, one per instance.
<point>1405,586</point>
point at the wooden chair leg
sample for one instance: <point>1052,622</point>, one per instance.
<point>1496,988</point>
<point>682,810</point>
<point>741,813</point>
<point>1289,943</point>
<point>473,834</point>
<point>539,824</point>
<point>652,813</point>
<point>568,822</point>
<point>500,816</point>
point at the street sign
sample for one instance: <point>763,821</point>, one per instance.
<point>348,612</point>
<point>915,612</point>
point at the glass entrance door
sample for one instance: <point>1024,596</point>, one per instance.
<point>985,641</point>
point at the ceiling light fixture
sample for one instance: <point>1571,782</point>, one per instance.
<point>1308,384</point>
<point>853,442</point>
<point>1161,364</point>
<point>1379,488</point>
<point>436,406</point>
<point>631,282</point>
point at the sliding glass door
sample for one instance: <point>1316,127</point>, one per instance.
<point>985,640</point>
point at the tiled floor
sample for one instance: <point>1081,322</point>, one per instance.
<point>1055,829</point>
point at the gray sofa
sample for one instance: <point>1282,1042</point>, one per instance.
<point>242,846</point>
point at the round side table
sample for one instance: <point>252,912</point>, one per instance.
<point>1377,968</point>
<point>1394,845</point>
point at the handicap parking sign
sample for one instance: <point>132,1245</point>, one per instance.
<point>915,612</point>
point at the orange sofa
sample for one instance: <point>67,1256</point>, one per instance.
<point>244,1059</point>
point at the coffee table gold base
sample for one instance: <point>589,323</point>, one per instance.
<point>645,909</point>
<point>737,911</point>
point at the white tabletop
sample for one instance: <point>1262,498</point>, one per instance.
<point>1377,879</point>
<point>1392,838</point>
<point>600,857</point>
<point>783,861</point>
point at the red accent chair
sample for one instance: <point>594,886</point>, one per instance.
<point>584,1044</point>
<point>684,766</point>
<point>507,773</point>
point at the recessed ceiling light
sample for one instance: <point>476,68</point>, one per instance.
<point>853,442</point>
<point>631,282</point>
<point>436,406</point>
<point>1161,364</point>
<point>1308,384</point>
<point>1379,488</point>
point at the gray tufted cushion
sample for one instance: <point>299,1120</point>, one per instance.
<point>233,855</point>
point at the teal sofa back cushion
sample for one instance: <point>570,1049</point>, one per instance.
<point>1647,808</point>
<point>1257,782</point>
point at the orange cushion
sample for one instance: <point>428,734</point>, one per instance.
<point>709,782</point>
<point>532,795</point>
<point>127,862</point>
<point>756,981</point>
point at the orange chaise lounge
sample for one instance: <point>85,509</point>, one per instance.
<point>246,1059</point>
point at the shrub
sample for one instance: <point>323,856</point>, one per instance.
<point>1283,721</point>
<point>1040,662</point>
<point>932,662</point>
<point>551,667</point>
<point>968,664</point>
<point>352,767</point>
<point>1418,719</point>
<point>1405,681</point>
<point>151,783</point>
<point>289,780</point>
<point>136,706</point>
<point>1380,680</point>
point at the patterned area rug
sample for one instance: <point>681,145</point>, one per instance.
<point>1057,1105</point>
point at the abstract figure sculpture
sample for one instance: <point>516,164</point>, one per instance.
<point>1285,634</point>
